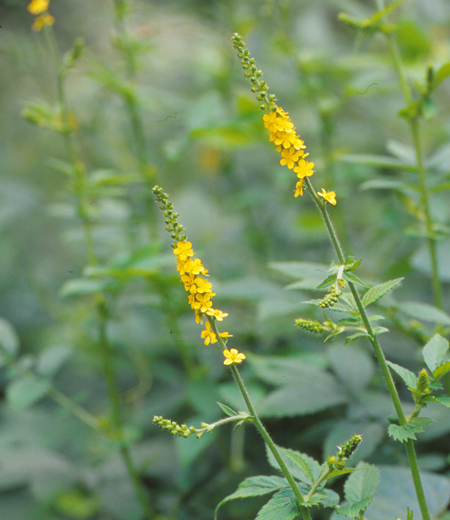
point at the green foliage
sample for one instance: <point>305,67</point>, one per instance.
<point>359,490</point>
<point>408,431</point>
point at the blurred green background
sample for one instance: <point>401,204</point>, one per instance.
<point>208,149</point>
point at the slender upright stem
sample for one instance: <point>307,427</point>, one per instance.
<point>272,447</point>
<point>412,459</point>
<point>79,183</point>
<point>260,427</point>
<point>424,192</point>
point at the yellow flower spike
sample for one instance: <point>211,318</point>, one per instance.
<point>329,196</point>
<point>38,6</point>
<point>232,356</point>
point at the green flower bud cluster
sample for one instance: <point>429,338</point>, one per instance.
<point>344,452</point>
<point>176,429</point>
<point>310,325</point>
<point>259,88</point>
<point>423,382</point>
<point>171,220</point>
<point>331,298</point>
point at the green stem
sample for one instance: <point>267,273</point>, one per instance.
<point>412,459</point>
<point>260,427</point>
<point>317,483</point>
<point>113,397</point>
<point>79,182</point>
<point>272,447</point>
<point>425,195</point>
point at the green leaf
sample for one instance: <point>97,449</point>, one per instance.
<point>408,377</point>
<point>227,410</point>
<point>353,366</point>
<point>388,184</point>
<point>441,370</point>
<point>339,472</point>
<point>354,279</point>
<point>302,399</point>
<point>441,74</point>
<point>425,312</point>
<point>254,487</point>
<point>82,286</point>
<point>329,280</point>
<point>379,161</point>
<point>434,352</point>
<point>359,490</point>
<point>283,506</point>
<point>396,491</point>
<point>408,431</point>
<point>441,399</point>
<point>297,472</point>
<point>9,342</point>
<point>375,293</point>
<point>301,463</point>
<point>26,390</point>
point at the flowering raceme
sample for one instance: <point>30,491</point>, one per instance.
<point>281,129</point>
<point>192,275</point>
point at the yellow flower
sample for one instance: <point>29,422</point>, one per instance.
<point>233,356</point>
<point>38,6</point>
<point>183,251</point>
<point>304,169</point>
<point>329,196</point>
<point>299,188</point>
<point>42,21</point>
<point>219,315</point>
<point>208,335</point>
<point>290,157</point>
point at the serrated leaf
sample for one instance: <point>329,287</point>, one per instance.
<point>301,463</point>
<point>441,399</point>
<point>379,330</point>
<point>425,312</point>
<point>296,472</point>
<point>283,506</point>
<point>26,390</point>
<point>255,487</point>
<point>408,377</point>
<point>354,279</point>
<point>375,293</point>
<point>441,370</point>
<point>329,280</point>
<point>408,431</point>
<point>227,410</point>
<point>434,352</point>
<point>359,489</point>
<point>353,510</point>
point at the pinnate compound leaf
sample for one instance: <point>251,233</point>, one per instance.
<point>434,352</point>
<point>26,390</point>
<point>408,377</point>
<point>281,506</point>
<point>255,487</point>
<point>425,312</point>
<point>375,293</point>
<point>359,489</point>
<point>408,431</point>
